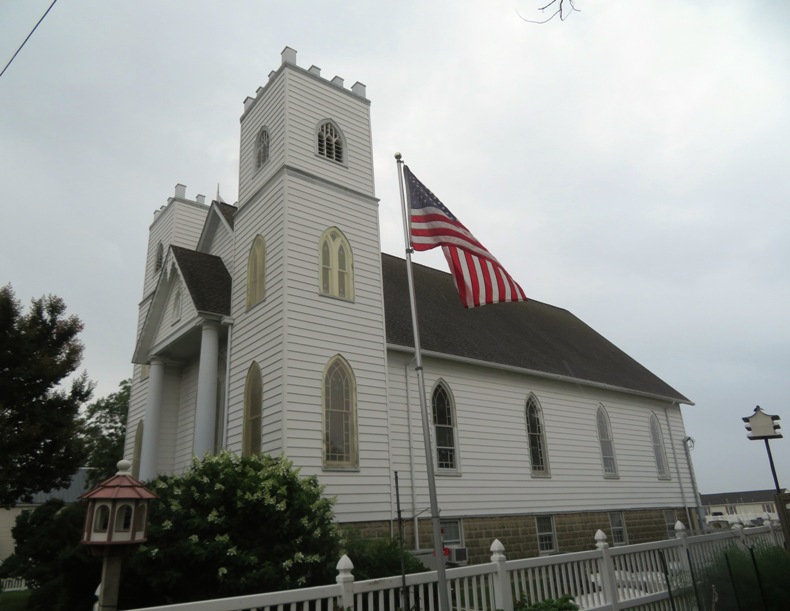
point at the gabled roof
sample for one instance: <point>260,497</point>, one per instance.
<point>206,278</point>
<point>528,335</point>
<point>227,211</point>
<point>738,498</point>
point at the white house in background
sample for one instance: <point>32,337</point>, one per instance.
<point>278,326</point>
<point>747,507</point>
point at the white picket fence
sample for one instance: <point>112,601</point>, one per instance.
<point>655,576</point>
<point>12,584</point>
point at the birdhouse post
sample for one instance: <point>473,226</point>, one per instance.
<point>766,426</point>
<point>116,523</point>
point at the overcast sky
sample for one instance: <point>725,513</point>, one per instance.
<point>629,164</point>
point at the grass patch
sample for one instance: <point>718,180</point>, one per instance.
<point>14,601</point>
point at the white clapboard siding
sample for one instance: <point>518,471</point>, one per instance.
<point>221,245</point>
<point>269,112</point>
<point>179,223</point>
<point>185,424</point>
<point>494,475</point>
<point>310,102</point>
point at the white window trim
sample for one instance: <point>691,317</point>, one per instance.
<point>339,135</point>
<point>456,470</point>
<point>353,463</point>
<point>177,306</point>
<point>659,449</point>
<point>607,474</point>
<point>257,148</point>
<point>253,374</point>
<point>334,246</point>
<point>553,532</point>
<point>622,528</point>
<point>457,522</point>
<point>546,470</point>
<point>256,272</point>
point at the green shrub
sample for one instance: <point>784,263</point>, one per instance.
<point>232,526</point>
<point>773,564</point>
<point>563,603</point>
<point>374,558</point>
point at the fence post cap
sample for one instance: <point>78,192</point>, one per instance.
<point>497,546</point>
<point>680,529</point>
<point>344,565</point>
<point>600,540</point>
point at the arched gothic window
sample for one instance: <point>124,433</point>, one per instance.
<point>160,257</point>
<point>256,272</point>
<point>536,436</point>
<point>340,415</point>
<point>337,268</point>
<point>177,305</point>
<point>261,148</point>
<point>657,439</point>
<point>330,142</point>
<point>444,428</point>
<point>607,443</point>
<point>253,400</point>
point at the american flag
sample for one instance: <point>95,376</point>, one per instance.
<point>479,277</point>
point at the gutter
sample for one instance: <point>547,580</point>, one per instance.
<point>539,374</point>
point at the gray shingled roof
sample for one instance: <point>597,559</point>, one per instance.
<point>529,335</point>
<point>738,498</point>
<point>206,278</point>
<point>227,211</point>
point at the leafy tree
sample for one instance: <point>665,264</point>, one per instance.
<point>105,431</point>
<point>59,570</point>
<point>40,424</point>
<point>231,526</point>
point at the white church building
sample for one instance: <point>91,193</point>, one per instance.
<point>277,325</point>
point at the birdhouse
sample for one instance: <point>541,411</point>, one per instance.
<point>762,426</point>
<point>117,510</point>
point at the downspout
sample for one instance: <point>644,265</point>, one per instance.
<point>410,365</point>
<point>688,443</point>
<point>677,465</point>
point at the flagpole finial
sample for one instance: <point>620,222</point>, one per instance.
<point>398,156</point>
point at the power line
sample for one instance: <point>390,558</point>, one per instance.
<point>28,37</point>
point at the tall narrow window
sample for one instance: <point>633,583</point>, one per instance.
<point>330,142</point>
<point>607,443</point>
<point>177,306</point>
<point>659,453</point>
<point>547,538</point>
<point>337,274</point>
<point>261,148</point>
<point>444,428</point>
<point>340,415</point>
<point>253,399</point>
<point>160,257</point>
<point>617,524</point>
<point>536,438</point>
<point>256,272</point>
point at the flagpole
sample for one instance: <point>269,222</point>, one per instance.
<point>438,548</point>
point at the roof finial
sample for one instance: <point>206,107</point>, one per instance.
<point>219,197</point>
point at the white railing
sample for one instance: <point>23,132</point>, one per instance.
<point>658,575</point>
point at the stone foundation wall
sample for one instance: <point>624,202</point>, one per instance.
<point>574,532</point>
